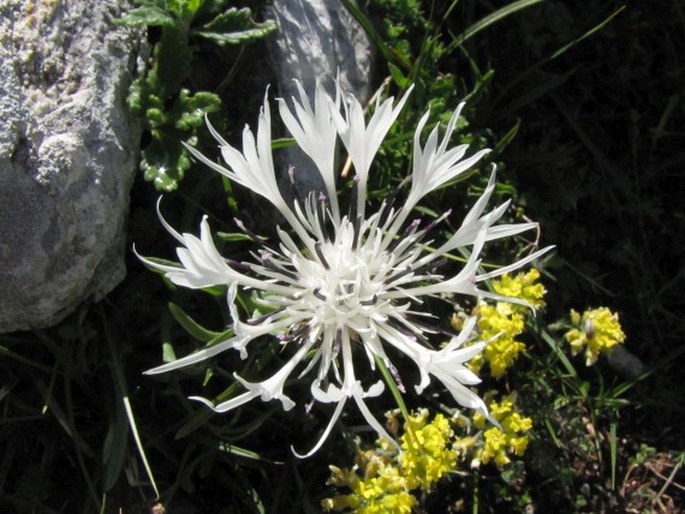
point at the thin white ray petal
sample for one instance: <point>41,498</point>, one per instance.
<point>196,357</point>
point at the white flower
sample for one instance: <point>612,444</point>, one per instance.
<point>351,284</point>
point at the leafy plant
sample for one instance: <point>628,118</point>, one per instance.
<point>172,113</point>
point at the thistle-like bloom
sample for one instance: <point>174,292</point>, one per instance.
<point>339,286</point>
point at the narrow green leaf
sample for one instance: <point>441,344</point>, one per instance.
<point>389,55</point>
<point>233,237</point>
<point>507,138</point>
<point>6,352</point>
<point>191,326</point>
<point>489,20</point>
<point>613,452</point>
<point>139,444</point>
<point>400,79</point>
<point>392,385</point>
<point>114,449</point>
<point>283,142</point>
<point>554,346</point>
<point>534,93</point>
<point>556,53</point>
<point>587,34</point>
<point>168,353</point>
<point>119,379</point>
<point>238,451</point>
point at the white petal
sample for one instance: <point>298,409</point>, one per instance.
<point>196,357</point>
<point>230,404</point>
<point>325,434</point>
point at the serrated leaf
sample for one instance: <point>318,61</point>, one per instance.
<point>190,111</point>
<point>164,162</point>
<point>233,38</point>
<point>157,174</point>
<point>234,26</point>
<point>149,15</point>
<point>137,96</point>
<point>209,102</point>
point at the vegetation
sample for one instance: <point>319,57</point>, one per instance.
<point>583,106</point>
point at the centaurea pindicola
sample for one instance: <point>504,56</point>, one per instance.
<point>335,285</point>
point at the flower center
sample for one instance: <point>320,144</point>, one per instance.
<point>345,289</point>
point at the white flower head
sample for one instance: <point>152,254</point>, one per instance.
<point>343,286</point>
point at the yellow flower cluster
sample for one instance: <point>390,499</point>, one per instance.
<point>389,477</point>
<point>426,456</point>
<point>500,443</point>
<point>596,331</point>
<point>384,490</point>
<point>524,286</point>
<point>504,321</point>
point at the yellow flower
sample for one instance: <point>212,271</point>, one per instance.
<point>503,321</point>
<point>385,490</point>
<point>504,324</point>
<point>523,286</point>
<point>597,331</point>
<point>426,453</point>
<point>394,503</point>
<point>494,448</point>
<point>388,479</point>
<point>500,443</point>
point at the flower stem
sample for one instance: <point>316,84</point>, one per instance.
<point>392,385</point>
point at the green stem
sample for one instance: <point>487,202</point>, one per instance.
<point>397,395</point>
<point>393,386</point>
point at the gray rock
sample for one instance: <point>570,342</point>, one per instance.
<point>625,363</point>
<point>67,155</point>
<point>317,40</point>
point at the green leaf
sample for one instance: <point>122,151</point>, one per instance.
<point>238,451</point>
<point>191,7</point>
<point>234,26</point>
<point>283,142</point>
<point>168,353</point>
<point>190,111</point>
<point>490,19</point>
<point>400,79</point>
<point>172,60</point>
<point>149,15</point>
<point>184,9</point>
<point>233,237</point>
<point>119,380</point>
<point>114,449</point>
<point>389,54</point>
<point>507,138</point>
<point>191,326</point>
<point>164,162</point>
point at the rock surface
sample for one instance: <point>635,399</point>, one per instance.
<point>317,40</point>
<point>67,155</point>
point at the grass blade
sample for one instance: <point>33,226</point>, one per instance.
<point>388,53</point>
<point>120,387</point>
<point>490,19</point>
